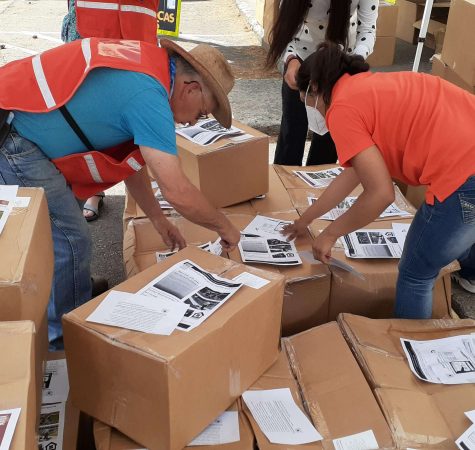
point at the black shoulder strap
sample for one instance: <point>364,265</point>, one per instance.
<point>75,127</point>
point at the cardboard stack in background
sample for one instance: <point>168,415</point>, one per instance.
<point>26,271</point>
<point>162,391</point>
<point>107,438</point>
<point>420,414</point>
<point>227,172</point>
<point>385,45</point>
<point>326,382</point>
<point>456,63</point>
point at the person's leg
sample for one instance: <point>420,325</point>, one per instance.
<point>322,150</point>
<point>92,206</point>
<point>23,163</point>
<point>438,235</point>
<point>293,129</point>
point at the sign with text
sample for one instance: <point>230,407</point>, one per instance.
<point>168,17</point>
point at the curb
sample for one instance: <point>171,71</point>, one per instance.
<point>248,14</point>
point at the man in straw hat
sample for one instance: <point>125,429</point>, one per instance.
<point>81,117</point>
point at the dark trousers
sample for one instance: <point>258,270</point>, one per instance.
<point>293,133</point>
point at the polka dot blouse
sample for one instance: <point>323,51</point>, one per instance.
<point>361,36</point>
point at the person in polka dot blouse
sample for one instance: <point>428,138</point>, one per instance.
<point>300,26</point>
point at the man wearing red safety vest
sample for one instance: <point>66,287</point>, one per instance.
<point>90,113</point>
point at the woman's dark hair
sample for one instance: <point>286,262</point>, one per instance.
<point>324,68</point>
<point>290,17</point>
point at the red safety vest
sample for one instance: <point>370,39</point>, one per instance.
<point>118,19</point>
<point>47,81</point>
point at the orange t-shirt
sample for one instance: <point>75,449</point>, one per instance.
<point>423,126</point>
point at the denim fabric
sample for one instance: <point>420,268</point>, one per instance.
<point>69,29</point>
<point>438,235</point>
<point>23,163</point>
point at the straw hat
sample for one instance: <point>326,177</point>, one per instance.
<point>215,72</point>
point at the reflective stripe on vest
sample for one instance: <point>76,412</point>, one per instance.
<point>42,82</point>
<point>91,164</point>
<point>86,51</point>
<point>132,162</point>
<point>139,9</point>
<point>116,7</point>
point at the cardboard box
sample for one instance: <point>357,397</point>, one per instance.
<point>387,20</point>
<point>328,386</point>
<point>26,271</point>
<point>142,241</point>
<point>439,68</point>
<point>383,53</point>
<point>107,438</point>
<point>226,172</point>
<point>420,415</point>
<point>458,52</point>
<point>435,34</point>
<point>408,13</point>
<point>291,181</point>
<point>307,286</point>
<point>276,199</point>
<point>18,386</point>
<point>375,295</point>
<point>161,391</point>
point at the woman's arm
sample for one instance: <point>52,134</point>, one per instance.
<point>367,15</point>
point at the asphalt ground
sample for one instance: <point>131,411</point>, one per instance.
<point>31,26</point>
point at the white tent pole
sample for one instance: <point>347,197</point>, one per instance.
<point>422,34</point>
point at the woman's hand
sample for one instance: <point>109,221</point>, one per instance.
<point>290,76</point>
<point>322,247</point>
<point>296,229</point>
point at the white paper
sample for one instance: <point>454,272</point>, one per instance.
<point>224,430</point>
<point>359,441</point>
<point>251,280</point>
<point>214,248</point>
<point>164,204</point>
<point>467,440</point>
<point>50,431</point>
<point>268,250</point>
<point>400,231</point>
<point>471,415</point>
<point>307,255</point>
<point>320,178</point>
<point>7,199</point>
<point>8,421</point>
<point>279,417</point>
<point>21,202</point>
<point>391,211</point>
<point>369,243</point>
<point>55,382</point>
<point>445,361</point>
<point>201,292</point>
<point>207,131</point>
<point>157,315</point>
<point>267,227</point>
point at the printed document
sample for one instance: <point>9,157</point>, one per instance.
<point>467,440</point>
<point>251,280</point>
<point>159,196</point>
<point>201,292</point>
<point>267,227</point>
<point>391,211</point>
<point>368,243</point>
<point>55,382</point>
<point>8,421</point>
<point>319,179</point>
<point>445,361</point>
<point>224,430</point>
<point>207,131</point>
<point>266,250</point>
<point>157,315</point>
<point>471,415</point>
<point>400,231</point>
<point>279,417</point>
<point>51,428</point>
<point>212,247</point>
<point>359,441</point>
<point>7,201</point>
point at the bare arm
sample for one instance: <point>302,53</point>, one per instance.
<point>139,187</point>
<point>186,198</point>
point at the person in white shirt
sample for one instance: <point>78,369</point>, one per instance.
<point>299,27</point>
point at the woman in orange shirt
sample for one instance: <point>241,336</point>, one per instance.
<point>413,127</point>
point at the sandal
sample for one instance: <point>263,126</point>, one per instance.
<point>95,211</point>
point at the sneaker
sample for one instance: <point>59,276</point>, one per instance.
<point>468,285</point>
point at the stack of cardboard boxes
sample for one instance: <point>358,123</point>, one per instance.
<point>456,63</point>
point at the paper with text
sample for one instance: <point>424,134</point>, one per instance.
<point>207,131</point>
<point>51,428</point>
<point>369,243</point>
<point>320,178</point>
<point>445,361</point>
<point>467,440</point>
<point>157,315</point>
<point>400,231</point>
<point>359,441</point>
<point>21,202</point>
<point>55,382</point>
<point>251,280</point>
<point>8,421</point>
<point>279,417</point>
<point>266,250</point>
<point>214,248</point>
<point>7,200</point>
<point>224,430</point>
<point>202,292</point>
<point>263,226</point>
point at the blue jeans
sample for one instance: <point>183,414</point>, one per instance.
<point>23,163</point>
<point>438,235</point>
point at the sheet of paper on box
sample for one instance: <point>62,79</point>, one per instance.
<point>445,361</point>
<point>21,202</point>
<point>207,131</point>
<point>8,421</point>
<point>55,382</point>
<point>471,415</point>
<point>279,417</point>
<point>372,243</point>
<point>224,430</point>
<point>51,428</point>
<point>251,280</point>
<point>268,250</point>
<point>7,199</point>
<point>359,441</point>
<point>319,178</point>
<point>467,440</point>
<point>267,227</point>
<point>158,315</point>
<point>214,248</point>
<point>400,231</point>
<point>202,292</point>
